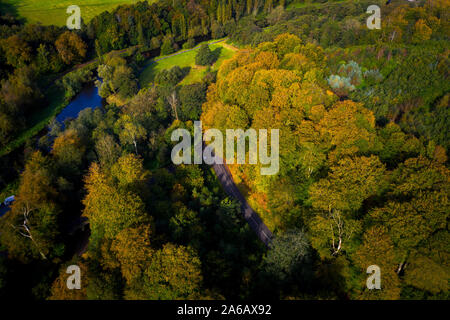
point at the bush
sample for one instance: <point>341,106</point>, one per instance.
<point>340,85</point>
<point>349,76</point>
<point>352,71</point>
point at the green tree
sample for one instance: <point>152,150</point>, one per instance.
<point>290,257</point>
<point>167,46</point>
<point>130,131</point>
<point>204,55</point>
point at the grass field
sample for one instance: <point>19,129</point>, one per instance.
<point>54,11</point>
<point>185,59</point>
<point>298,5</point>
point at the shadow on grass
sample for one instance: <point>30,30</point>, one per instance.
<point>216,54</point>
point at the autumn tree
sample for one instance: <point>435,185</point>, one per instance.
<point>71,47</point>
<point>132,250</point>
<point>109,207</point>
<point>68,151</point>
<point>17,51</point>
<point>378,249</point>
<point>31,229</point>
<point>59,289</point>
<point>174,272</point>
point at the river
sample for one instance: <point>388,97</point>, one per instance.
<point>87,98</point>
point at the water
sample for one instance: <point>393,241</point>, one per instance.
<point>87,98</point>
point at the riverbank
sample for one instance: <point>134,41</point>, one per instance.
<point>55,95</point>
<point>39,120</point>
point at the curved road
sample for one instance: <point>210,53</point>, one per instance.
<point>253,219</point>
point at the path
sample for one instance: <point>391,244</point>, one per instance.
<point>226,180</point>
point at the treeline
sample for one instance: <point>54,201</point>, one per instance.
<point>167,23</point>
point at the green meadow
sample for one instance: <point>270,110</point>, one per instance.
<point>185,59</point>
<point>54,11</point>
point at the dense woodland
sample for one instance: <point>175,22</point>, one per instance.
<point>364,172</point>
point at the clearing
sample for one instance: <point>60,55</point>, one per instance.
<point>186,58</point>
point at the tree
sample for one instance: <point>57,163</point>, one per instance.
<point>425,274</point>
<point>31,230</point>
<point>290,257</point>
<point>350,182</point>
<point>141,35</point>
<point>43,59</point>
<point>171,76</point>
<point>204,55</point>
<point>124,82</point>
<point>350,128</point>
<point>20,91</point>
<point>130,174</point>
<point>132,249</point>
<point>332,232</point>
<point>17,51</point>
<point>7,128</point>
<point>422,31</point>
<point>173,101</point>
<point>69,151</point>
<point>378,249</point>
<point>109,208</point>
<point>108,151</point>
<point>71,47</point>
<point>191,99</point>
<point>130,131</point>
<point>167,46</point>
<point>173,273</point>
